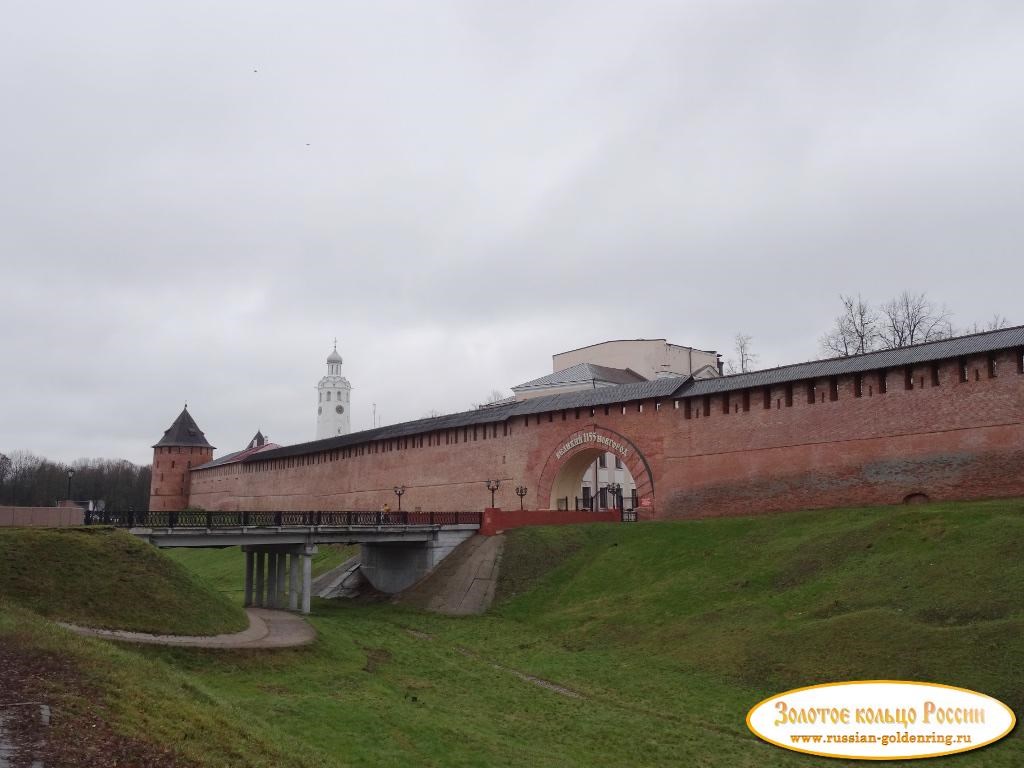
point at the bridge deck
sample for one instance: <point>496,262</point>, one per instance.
<point>278,519</point>
<point>225,529</point>
<point>264,536</point>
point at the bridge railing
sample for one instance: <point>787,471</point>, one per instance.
<point>347,519</point>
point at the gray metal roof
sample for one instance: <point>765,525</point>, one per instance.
<point>1008,338</point>
<point>583,373</point>
<point>587,398</point>
<point>959,346</point>
<point>250,450</point>
<point>225,459</point>
<point>183,432</point>
<point>592,398</point>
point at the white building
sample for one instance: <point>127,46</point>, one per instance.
<point>611,364</point>
<point>649,358</point>
<point>333,393</point>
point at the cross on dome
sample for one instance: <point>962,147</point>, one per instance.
<point>334,357</point>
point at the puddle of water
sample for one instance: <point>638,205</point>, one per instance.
<point>8,751</point>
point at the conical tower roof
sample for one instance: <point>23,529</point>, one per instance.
<point>184,432</point>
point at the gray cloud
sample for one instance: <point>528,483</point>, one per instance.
<point>196,199</point>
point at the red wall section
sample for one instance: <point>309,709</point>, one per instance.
<point>498,520</point>
<point>955,440</point>
<point>170,485</point>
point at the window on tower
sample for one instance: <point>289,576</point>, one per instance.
<point>328,397</point>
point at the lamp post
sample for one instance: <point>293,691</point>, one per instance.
<point>399,490</point>
<point>615,488</point>
<point>71,473</point>
<point>520,492</point>
<point>492,486</point>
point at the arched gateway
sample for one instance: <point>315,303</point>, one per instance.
<point>577,451</point>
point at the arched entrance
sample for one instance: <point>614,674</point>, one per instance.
<point>565,467</point>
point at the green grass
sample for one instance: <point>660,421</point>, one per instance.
<point>933,592</point>
<point>669,632</point>
<point>224,569</point>
<point>102,577</point>
<point>145,698</point>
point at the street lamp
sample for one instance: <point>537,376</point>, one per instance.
<point>492,486</point>
<point>615,488</point>
<point>71,473</point>
<point>520,492</point>
<point>399,490</point>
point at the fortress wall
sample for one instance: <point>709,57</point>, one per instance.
<point>437,476</point>
<point>170,486</point>
<point>953,440</point>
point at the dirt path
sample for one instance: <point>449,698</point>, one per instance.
<point>267,629</point>
<point>464,583</point>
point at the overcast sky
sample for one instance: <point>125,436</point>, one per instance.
<point>196,198</point>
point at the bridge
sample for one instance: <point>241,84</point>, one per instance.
<point>398,548</point>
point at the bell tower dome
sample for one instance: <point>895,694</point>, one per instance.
<point>333,391</point>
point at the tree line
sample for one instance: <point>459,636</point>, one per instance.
<point>27,480</point>
<point>910,318</point>
<point>861,327</point>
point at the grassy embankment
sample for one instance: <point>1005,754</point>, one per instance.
<point>667,633</point>
<point>101,577</point>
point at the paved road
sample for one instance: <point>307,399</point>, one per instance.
<point>267,629</point>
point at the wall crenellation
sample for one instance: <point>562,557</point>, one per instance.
<point>941,429</point>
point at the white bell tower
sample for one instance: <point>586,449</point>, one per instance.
<point>332,413</point>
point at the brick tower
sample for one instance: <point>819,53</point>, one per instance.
<point>182,447</point>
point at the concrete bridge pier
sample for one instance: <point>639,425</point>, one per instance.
<point>272,577</point>
<point>271,597</point>
<point>293,582</point>
<point>393,566</point>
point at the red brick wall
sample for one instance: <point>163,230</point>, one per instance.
<point>499,520</point>
<point>170,486</point>
<point>952,441</point>
<point>42,517</point>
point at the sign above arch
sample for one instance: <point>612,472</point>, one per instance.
<point>595,438</point>
<point>578,448</point>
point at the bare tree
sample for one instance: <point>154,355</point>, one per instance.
<point>913,318</point>
<point>997,322</point>
<point>745,357</point>
<point>5,470</point>
<point>496,396</point>
<point>33,481</point>
<point>910,318</point>
<point>855,331</point>
<point>433,413</point>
